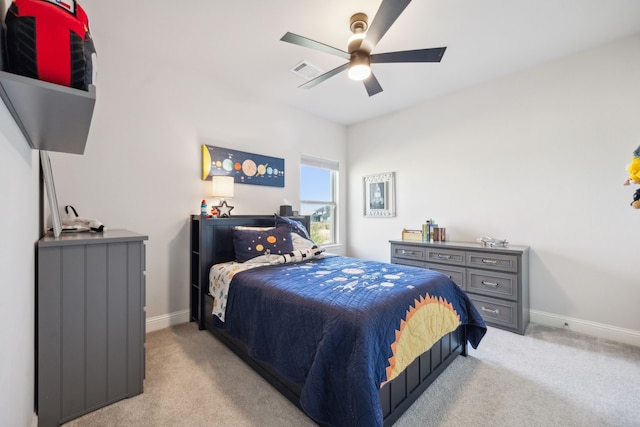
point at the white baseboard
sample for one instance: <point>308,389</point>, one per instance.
<point>165,320</point>
<point>600,330</point>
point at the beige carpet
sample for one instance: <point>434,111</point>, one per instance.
<point>549,377</point>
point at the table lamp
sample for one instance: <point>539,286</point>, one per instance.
<point>222,187</point>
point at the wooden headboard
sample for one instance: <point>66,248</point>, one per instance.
<point>212,243</point>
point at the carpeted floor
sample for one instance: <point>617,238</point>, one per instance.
<point>549,377</point>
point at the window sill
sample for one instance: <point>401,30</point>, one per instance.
<point>335,248</point>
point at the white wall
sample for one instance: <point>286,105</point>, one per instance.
<point>19,228</point>
<point>142,164</point>
<point>537,158</point>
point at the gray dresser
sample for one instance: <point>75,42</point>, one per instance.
<point>495,279</point>
<point>90,322</point>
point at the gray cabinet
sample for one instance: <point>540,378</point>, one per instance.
<point>495,279</point>
<point>90,322</point>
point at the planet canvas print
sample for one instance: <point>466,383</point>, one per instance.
<point>245,168</point>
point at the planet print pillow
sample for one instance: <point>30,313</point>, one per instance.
<point>296,226</point>
<point>250,243</point>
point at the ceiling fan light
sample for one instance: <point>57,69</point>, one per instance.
<point>359,66</point>
<point>359,72</point>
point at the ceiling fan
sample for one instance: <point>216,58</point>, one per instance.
<point>362,42</point>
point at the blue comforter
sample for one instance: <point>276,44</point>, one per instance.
<point>340,327</point>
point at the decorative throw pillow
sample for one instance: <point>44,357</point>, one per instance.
<point>300,243</point>
<point>297,255</point>
<point>255,242</point>
<point>296,226</point>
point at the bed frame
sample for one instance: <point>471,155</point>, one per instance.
<point>212,242</point>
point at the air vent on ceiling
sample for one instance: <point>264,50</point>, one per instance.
<point>306,70</point>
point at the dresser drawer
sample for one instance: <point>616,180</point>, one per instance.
<point>498,312</point>
<point>496,279</point>
<point>493,261</point>
<point>411,262</point>
<point>408,252</point>
<point>492,283</point>
<point>447,256</point>
<point>455,273</point>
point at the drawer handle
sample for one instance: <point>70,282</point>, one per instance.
<point>408,252</point>
<point>489,261</point>
<point>496,312</point>
<point>440,256</point>
<point>493,284</point>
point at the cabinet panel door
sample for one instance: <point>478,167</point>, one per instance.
<point>493,283</point>
<point>447,256</point>
<point>97,317</point>
<point>408,252</point>
<point>420,264</point>
<point>72,366</point>
<point>503,314</point>
<point>136,317</point>
<point>117,321</point>
<point>493,261</point>
<point>49,335</point>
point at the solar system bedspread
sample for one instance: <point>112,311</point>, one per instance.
<point>341,327</point>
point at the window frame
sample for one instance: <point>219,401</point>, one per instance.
<point>333,204</point>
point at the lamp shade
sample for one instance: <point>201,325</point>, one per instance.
<point>222,186</point>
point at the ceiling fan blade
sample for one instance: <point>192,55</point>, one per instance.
<point>372,85</point>
<point>312,44</point>
<point>385,17</point>
<point>322,77</point>
<point>419,55</point>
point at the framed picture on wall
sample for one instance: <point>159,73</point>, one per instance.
<point>379,195</point>
<point>50,188</point>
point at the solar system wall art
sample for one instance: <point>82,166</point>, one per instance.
<point>245,168</point>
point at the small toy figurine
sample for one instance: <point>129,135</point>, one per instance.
<point>634,177</point>
<point>636,199</point>
<point>214,212</point>
<point>634,169</point>
<point>491,242</point>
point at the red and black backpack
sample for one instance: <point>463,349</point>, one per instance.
<point>50,40</point>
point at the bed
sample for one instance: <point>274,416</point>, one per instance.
<point>307,375</point>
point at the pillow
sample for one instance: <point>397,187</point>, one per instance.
<point>250,243</point>
<point>300,243</point>
<point>294,257</point>
<point>296,226</point>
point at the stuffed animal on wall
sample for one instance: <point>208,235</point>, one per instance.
<point>634,169</point>
<point>50,40</point>
<point>636,199</point>
<point>634,177</point>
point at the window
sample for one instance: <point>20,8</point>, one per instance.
<point>318,198</point>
